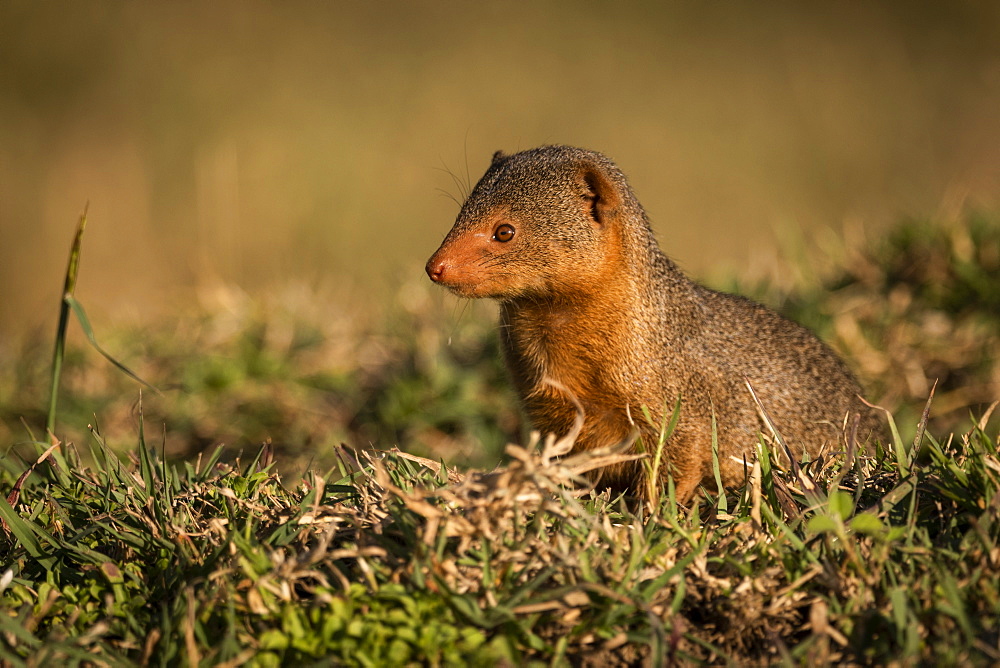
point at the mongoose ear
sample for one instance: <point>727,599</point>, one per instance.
<point>497,157</point>
<point>602,194</point>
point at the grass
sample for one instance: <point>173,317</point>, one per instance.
<point>130,548</point>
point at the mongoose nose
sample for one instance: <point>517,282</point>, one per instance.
<point>435,269</point>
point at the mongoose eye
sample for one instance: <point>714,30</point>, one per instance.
<point>504,233</point>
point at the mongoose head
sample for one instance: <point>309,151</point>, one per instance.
<point>542,223</point>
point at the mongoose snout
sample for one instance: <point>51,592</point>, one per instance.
<point>455,267</point>
<point>469,262</point>
<point>588,300</point>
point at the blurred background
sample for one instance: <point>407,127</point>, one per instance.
<point>266,180</point>
<point>253,143</point>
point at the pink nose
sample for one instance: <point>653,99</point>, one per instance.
<point>436,269</point>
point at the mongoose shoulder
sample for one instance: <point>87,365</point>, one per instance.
<point>588,300</point>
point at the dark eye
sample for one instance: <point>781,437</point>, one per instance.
<point>504,233</point>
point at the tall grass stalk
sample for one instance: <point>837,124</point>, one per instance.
<point>59,349</point>
<point>69,287</point>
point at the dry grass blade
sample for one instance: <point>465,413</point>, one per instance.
<point>922,425</point>
<point>808,485</point>
<point>984,420</point>
<point>15,491</point>
<point>770,426</point>
<point>786,501</point>
<point>453,475</point>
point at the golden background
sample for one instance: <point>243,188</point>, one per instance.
<point>255,143</point>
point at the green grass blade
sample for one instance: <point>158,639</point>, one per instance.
<point>26,534</point>
<point>81,317</point>
<point>69,285</point>
<point>722,502</point>
<point>145,465</point>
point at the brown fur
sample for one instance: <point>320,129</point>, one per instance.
<point>588,300</point>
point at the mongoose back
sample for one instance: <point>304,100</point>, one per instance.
<point>588,300</point>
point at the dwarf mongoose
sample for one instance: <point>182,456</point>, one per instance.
<point>588,299</point>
